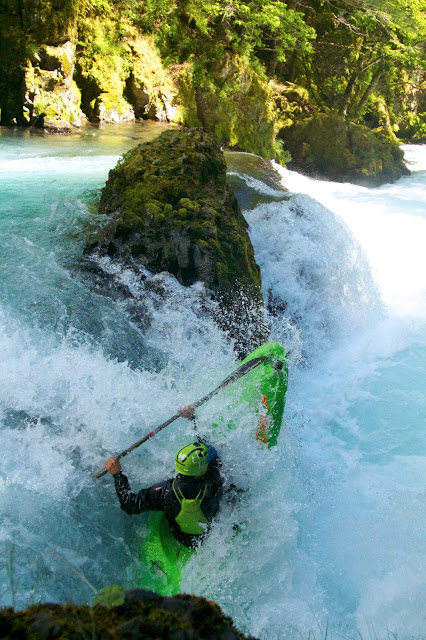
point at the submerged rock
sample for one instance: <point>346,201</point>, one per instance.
<point>170,209</point>
<point>143,614</point>
<point>326,146</point>
<point>253,180</point>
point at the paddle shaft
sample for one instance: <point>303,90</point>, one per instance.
<point>238,373</point>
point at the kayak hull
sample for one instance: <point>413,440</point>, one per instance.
<point>163,557</point>
<point>262,389</point>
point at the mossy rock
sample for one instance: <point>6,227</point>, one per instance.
<point>230,98</point>
<point>149,88</point>
<point>120,72</point>
<point>101,70</point>
<point>143,614</point>
<point>52,98</point>
<point>27,29</point>
<point>327,146</point>
<point>171,210</point>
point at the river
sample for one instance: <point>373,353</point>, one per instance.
<point>333,520</point>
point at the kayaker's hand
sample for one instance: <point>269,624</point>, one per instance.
<point>187,412</point>
<point>113,466</point>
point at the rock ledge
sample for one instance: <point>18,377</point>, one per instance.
<point>142,615</point>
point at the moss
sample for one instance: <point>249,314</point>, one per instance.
<point>190,205</point>
<point>230,98</point>
<point>327,146</point>
<point>169,204</point>
<point>60,58</point>
<point>142,614</point>
<point>120,72</point>
<point>101,68</point>
<point>25,36</point>
<point>149,87</point>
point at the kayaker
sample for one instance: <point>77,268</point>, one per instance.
<point>190,500</point>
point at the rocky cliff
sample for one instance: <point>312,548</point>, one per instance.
<point>63,63</point>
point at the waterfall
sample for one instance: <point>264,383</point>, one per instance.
<point>332,520</point>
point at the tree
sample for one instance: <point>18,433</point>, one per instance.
<point>361,48</point>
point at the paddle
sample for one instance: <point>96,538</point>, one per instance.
<point>236,375</point>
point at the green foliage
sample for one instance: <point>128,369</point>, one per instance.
<point>343,52</point>
<point>283,156</point>
<point>185,28</point>
<point>362,48</point>
<point>348,55</point>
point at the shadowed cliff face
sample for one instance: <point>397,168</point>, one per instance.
<point>143,614</point>
<point>26,28</point>
<point>64,62</point>
<point>170,209</point>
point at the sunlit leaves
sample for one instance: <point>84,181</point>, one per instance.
<point>246,27</point>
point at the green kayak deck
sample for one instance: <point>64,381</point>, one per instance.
<point>263,390</point>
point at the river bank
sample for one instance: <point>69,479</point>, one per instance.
<point>255,79</point>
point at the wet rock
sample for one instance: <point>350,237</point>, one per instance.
<point>170,209</point>
<point>142,615</point>
<point>253,180</point>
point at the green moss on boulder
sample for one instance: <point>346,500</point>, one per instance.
<point>232,99</point>
<point>52,98</point>
<point>327,146</point>
<point>170,210</point>
<point>143,614</point>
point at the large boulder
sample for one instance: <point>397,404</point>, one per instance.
<point>170,209</point>
<point>143,614</point>
<point>327,146</point>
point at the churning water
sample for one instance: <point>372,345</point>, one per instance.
<point>332,520</point>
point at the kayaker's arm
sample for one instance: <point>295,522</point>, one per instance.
<point>150,499</point>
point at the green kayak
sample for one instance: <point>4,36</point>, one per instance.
<point>262,389</point>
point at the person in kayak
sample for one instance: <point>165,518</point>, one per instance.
<point>190,500</point>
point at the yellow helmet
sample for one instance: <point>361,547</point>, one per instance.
<point>191,460</point>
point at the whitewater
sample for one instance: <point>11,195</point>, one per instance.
<point>332,521</point>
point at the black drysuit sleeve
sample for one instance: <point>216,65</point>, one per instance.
<point>150,499</point>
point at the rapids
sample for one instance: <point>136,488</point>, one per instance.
<point>332,540</point>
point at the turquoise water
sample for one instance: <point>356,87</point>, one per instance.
<point>335,516</point>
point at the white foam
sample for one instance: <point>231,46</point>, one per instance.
<point>390,225</point>
<point>332,519</point>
